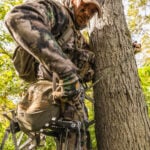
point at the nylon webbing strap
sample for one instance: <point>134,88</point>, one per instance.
<point>68,32</point>
<point>66,36</point>
<point>79,135</point>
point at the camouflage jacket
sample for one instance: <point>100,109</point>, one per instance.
<point>39,24</point>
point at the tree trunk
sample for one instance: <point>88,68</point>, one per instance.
<point>122,121</point>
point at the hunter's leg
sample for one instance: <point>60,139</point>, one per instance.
<point>30,26</point>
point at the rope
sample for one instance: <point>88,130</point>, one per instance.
<point>66,139</point>
<point>79,135</point>
<point>97,81</point>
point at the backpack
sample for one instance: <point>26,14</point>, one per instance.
<point>37,108</point>
<point>25,65</point>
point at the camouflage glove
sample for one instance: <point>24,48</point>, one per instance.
<point>69,87</point>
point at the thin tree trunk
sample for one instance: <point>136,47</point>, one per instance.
<point>121,116</point>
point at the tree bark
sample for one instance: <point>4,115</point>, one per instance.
<point>121,116</point>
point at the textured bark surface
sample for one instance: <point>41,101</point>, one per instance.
<point>121,116</point>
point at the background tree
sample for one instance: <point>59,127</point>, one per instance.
<point>120,111</point>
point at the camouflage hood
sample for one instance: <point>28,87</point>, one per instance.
<point>66,3</point>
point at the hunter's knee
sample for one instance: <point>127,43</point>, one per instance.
<point>11,19</point>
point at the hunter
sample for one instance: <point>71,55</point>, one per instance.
<point>50,32</point>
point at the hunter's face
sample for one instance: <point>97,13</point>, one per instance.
<point>84,12</point>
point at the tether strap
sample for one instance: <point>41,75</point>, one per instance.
<point>97,81</point>
<point>79,135</point>
<point>66,36</point>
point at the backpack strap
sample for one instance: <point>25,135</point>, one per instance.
<point>70,29</point>
<point>66,35</point>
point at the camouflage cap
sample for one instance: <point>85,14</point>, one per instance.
<point>68,3</point>
<point>96,4</point>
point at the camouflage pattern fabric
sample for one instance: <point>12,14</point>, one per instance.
<point>36,27</point>
<point>37,31</point>
<point>25,65</point>
<point>37,107</point>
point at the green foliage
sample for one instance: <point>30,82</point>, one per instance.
<point>90,109</point>
<point>10,84</point>
<point>50,144</point>
<point>144,74</point>
<point>137,14</point>
<point>138,19</point>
